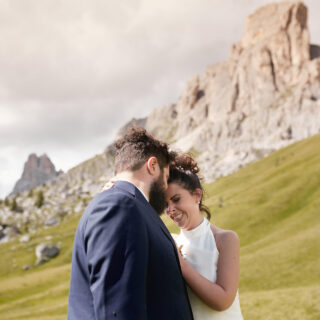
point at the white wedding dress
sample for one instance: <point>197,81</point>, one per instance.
<point>200,250</point>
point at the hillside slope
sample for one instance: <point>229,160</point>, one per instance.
<point>273,206</point>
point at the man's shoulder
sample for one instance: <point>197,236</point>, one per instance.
<point>111,205</point>
<point>108,202</point>
<point>113,194</point>
<point>107,199</point>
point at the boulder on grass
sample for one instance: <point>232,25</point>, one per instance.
<point>45,252</point>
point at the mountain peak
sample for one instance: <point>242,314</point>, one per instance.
<point>280,24</point>
<point>37,170</point>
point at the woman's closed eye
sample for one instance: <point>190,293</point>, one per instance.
<point>176,200</point>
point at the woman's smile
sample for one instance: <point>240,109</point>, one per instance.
<point>177,218</point>
<point>182,207</point>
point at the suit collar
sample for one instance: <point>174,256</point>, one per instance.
<point>131,188</point>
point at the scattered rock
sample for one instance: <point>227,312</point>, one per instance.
<point>61,213</point>
<point>221,202</point>
<point>12,231</point>
<point>26,267</point>
<point>9,233</point>
<point>25,238</point>
<point>79,207</point>
<point>51,222</point>
<point>2,235</point>
<point>45,252</point>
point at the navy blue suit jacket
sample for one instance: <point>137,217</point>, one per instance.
<point>124,262</point>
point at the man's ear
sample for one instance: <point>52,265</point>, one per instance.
<point>152,165</point>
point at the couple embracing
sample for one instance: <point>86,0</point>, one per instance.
<point>125,263</point>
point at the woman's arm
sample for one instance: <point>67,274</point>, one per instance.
<point>220,295</point>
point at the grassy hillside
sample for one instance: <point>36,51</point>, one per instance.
<point>273,205</point>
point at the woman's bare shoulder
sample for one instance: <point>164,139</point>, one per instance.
<point>225,237</point>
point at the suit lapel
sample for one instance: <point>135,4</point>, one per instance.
<point>159,222</point>
<point>136,193</point>
<point>154,215</point>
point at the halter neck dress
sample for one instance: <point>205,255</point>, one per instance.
<point>200,251</point>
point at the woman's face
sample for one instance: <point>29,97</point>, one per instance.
<point>183,207</point>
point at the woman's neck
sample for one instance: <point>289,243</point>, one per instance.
<point>198,219</point>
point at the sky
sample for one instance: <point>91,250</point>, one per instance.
<point>73,72</point>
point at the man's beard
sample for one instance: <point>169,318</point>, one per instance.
<point>157,195</point>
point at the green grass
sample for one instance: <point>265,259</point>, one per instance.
<point>272,204</point>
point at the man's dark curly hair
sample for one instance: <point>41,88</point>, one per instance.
<point>136,147</point>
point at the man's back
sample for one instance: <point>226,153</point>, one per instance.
<point>125,262</point>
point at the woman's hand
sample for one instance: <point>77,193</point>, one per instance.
<point>109,184</point>
<point>183,262</point>
<point>179,248</point>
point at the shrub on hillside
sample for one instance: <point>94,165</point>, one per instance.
<point>30,193</point>
<point>39,200</point>
<point>13,206</point>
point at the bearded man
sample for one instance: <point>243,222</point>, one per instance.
<point>125,263</point>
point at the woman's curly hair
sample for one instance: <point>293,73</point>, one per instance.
<point>184,171</point>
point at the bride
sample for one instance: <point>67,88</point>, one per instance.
<point>209,256</point>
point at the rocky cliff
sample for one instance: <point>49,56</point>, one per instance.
<point>37,170</point>
<point>264,97</point>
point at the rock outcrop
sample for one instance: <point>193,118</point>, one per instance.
<point>37,170</point>
<point>264,97</point>
<point>141,123</point>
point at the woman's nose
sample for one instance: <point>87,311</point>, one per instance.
<point>169,208</point>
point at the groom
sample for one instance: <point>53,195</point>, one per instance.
<point>125,263</point>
